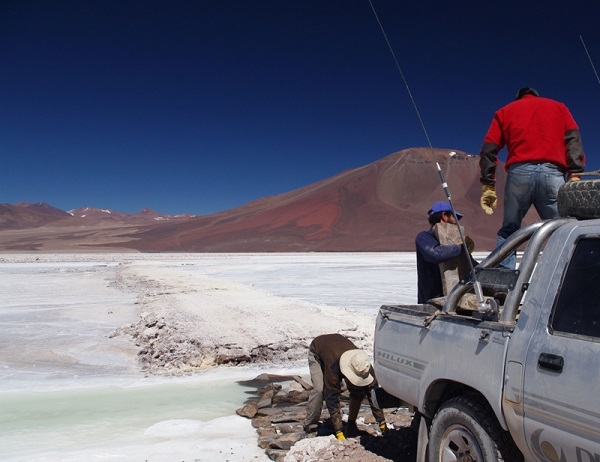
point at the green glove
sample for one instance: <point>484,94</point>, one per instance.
<point>488,200</point>
<point>340,436</point>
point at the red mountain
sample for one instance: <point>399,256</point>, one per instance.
<point>24,215</point>
<point>378,207</point>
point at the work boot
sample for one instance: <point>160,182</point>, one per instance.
<point>310,428</point>
<point>351,430</point>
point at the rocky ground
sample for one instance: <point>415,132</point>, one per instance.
<point>278,408</point>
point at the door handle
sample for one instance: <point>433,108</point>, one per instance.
<point>551,362</point>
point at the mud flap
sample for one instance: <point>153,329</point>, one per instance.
<point>422,439</point>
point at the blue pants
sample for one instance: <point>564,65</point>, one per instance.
<point>528,184</point>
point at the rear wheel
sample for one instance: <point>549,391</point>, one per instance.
<point>467,430</point>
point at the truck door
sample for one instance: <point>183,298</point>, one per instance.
<point>562,371</point>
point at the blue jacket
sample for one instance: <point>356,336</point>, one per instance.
<point>429,254</point>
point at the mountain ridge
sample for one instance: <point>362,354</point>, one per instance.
<point>377,207</point>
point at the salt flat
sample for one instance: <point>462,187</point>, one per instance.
<point>66,344</point>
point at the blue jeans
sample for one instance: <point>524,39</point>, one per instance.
<point>528,184</point>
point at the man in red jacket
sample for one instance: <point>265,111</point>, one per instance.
<point>544,145</point>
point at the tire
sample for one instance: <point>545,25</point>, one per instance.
<point>579,199</point>
<point>466,429</point>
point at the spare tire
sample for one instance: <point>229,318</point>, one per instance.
<point>579,199</point>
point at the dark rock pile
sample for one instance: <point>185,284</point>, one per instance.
<point>278,409</point>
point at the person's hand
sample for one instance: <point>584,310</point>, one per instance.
<point>384,428</point>
<point>340,436</point>
<point>470,244</point>
<point>574,178</point>
<point>488,200</point>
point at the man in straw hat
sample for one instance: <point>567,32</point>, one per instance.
<point>331,358</point>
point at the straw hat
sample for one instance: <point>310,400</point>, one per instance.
<point>355,366</point>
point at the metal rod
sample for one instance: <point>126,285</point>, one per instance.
<point>590,58</point>
<point>477,286</point>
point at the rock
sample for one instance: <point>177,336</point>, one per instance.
<point>290,416</point>
<point>261,421</point>
<point>150,333</point>
<point>266,399</point>
<point>278,455</point>
<point>270,387</point>
<point>281,432</point>
<point>248,410</point>
<point>290,427</point>
<point>295,396</point>
<point>270,412</point>
<point>286,440</point>
<point>267,432</point>
<point>457,268</point>
<point>305,385</point>
<point>266,395</point>
<point>308,450</point>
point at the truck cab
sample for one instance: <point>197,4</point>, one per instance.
<point>553,359</point>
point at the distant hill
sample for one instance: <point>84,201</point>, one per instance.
<point>378,207</point>
<point>24,215</point>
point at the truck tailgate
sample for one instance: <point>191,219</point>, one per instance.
<point>413,357</point>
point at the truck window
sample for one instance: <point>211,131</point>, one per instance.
<point>577,308</point>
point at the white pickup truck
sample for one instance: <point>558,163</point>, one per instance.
<point>519,380</point>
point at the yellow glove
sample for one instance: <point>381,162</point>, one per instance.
<point>488,200</point>
<point>470,244</point>
<point>574,178</point>
<point>384,428</point>
<point>340,436</point>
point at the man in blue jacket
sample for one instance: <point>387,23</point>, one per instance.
<point>430,253</point>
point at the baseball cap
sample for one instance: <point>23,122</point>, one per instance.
<point>442,207</point>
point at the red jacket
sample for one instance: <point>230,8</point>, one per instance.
<point>533,129</point>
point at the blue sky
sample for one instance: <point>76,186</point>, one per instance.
<point>201,106</point>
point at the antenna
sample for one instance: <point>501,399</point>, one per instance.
<point>590,58</point>
<point>481,304</point>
